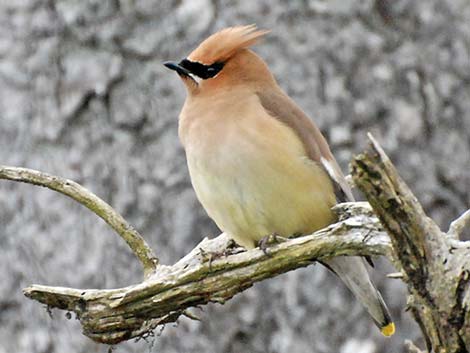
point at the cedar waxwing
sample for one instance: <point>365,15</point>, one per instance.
<point>258,164</point>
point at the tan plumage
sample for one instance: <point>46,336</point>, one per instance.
<point>223,45</point>
<point>258,164</point>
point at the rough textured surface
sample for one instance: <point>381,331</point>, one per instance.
<point>434,266</point>
<point>116,315</point>
<point>83,95</point>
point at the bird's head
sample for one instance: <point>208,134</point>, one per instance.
<point>222,59</point>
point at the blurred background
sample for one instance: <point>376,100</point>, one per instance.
<point>83,95</point>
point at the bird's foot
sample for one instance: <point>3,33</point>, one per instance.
<point>210,256</point>
<point>231,249</point>
<point>268,240</point>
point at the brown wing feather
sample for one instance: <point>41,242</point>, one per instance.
<point>350,269</point>
<point>281,107</point>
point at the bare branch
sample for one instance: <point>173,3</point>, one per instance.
<point>438,275</point>
<point>111,316</point>
<point>412,347</point>
<point>395,275</point>
<point>456,227</point>
<point>77,192</point>
<point>436,270</point>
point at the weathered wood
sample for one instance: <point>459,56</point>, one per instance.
<point>111,316</point>
<point>436,268</point>
<point>435,265</point>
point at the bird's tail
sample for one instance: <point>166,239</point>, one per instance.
<point>353,273</point>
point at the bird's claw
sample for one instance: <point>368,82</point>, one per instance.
<point>209,256</point>
<point>268,240</point>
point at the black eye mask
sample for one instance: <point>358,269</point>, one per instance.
<point>201,70</point>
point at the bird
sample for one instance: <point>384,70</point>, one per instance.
<point>258,164</point>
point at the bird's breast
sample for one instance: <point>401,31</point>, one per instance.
<point>251,174</point>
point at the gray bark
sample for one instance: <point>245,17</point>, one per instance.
<point>83,95</point>
<point>435,265</point>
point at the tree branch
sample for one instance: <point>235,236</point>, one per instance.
<point>435,266</point>
<point>456,227</point>
<point>111,316</point>
<point>77,192</point>
<point>437,272</point>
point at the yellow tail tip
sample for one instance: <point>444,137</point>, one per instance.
<point>388,330</point>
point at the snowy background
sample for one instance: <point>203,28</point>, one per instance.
<point>83,95</point>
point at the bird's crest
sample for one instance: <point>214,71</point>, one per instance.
<point>222,45</point>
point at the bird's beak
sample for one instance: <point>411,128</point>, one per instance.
<point>178,68</point>
<point>186,76</point>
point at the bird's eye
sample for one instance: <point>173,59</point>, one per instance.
<point>201,70</point>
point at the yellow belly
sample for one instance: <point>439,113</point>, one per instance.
<point>255,203</point>
<point>257,181</point>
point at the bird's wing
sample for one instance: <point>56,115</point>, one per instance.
<point>281,107</point>
<point>350,269</point>
<point>284,108</point>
